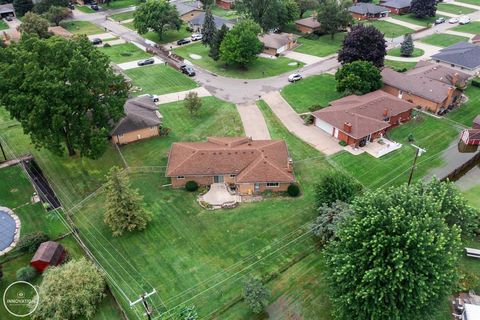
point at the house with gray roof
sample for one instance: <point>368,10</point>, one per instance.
<point>6,10</point>
<point>462,55</point>
<point>367,11</point>
<point>196,24</point>
<point>188,11</point>
<point>142,120</point>
<point>397,6</point>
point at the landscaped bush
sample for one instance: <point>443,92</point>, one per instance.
<point>476,83</point>
<point>342,143</point>
<point>191,186</point>
<point>26,274</point>
<point>293,190</point>
<point>30,242</point>
<point>314,107</point>
<point>309,119</point>
<point>336,186</point>
<point>107,45</point>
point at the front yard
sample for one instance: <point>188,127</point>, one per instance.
<point>472,27</point>
<point>397,53</point>
<point>400,65</point>
<point>469,110</point>
<point>124,53</point>
<point>424,22</point>
<point>443,39</point>
<point>260,68</point>
<point>123,16</point>
<point>390,30</point>
<point>322,46</point>
<point>474,2</point>
<point>169,35</point>
<point>119,4</point>
<point>82,27</point>
<point>451,8</point>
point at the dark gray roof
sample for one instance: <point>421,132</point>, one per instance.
<point>140,113</point>
<point>398,4</point>
<point>6,8</point>
<point>219,21</point>
<point>364,8</point>
<point>183,8</point>
<point>463,54</point>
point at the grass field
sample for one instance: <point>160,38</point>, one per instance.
<point>396,52</point>
<point>472,196</point>
<point>82,27</point>
<point>314,90</point>
<point>390,30</point>
<point>321,47</point>
<point>400,65</point>
<point>474,2</point>
<point>469,110</point>
<point>424,22</point>
<point>84,9</point>
<point>169,35</point>
<point>118,4</point>
<point>229,14</point>
<point>443,39</point>
<point>451,8</point>
<point>123,16</point>
<point>260,68</point>
<point>124,52</point>
<point>3,25</point>
<point>472,27</point>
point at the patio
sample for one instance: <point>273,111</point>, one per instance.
<point>219,197</point>
<point>377,148</point>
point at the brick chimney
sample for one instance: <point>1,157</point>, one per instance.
<point>455,78</point>
<point>385,112</point>
<point>347,127</point>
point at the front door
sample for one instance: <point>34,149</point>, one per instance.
<point>218,179</point>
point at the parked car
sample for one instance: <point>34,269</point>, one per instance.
<point>440,20</point>
<point>94,7</point>
<point>183,41</point>
<point>295,77</point>
<point>71,6</point>
<point>464,20</point>
<point>188,70</point>
<point>153,97</point>
<point>453,20</point>
<point>96,41</point>
<point>196,36</point>
<point>146,62</point>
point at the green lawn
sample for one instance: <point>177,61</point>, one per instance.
<point>321,47</point>
<point>396,52</point>
<point>123,16</point>
<point>85,9</point>
<point>3,25</point>
<point>424,22</point>
<point>160,79</point>
<point>260,68</point>
<point>168,36</point>
<point>314,90</point>
<point>435,135</point>
<point>229,14</point>
<point>472,27</point>
<point>451,8</point>
<point>118,4</point>
<point>472,196</point>
<point>443,39</point>
<point>124,52</point>
<point>390,30</point>
<point>82,27</point>
<point>469,110</point>
<point>400,65</point>
<point>474,2</point>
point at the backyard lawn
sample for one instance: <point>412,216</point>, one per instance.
<point>424,22</point>
<point>228,14</point>
<point>321,47</point>
<point>118,4</point>
<point>390,30</point>
<point>396,52</point>
<point>469,110</point>
<point>82,27</point>
<point>159,79</point>
<point>3,25</point>
<point>124,52</point>
<point>260,68</point>
<point>123,16</point>
<point>314,90</point>
<point>451,8</point>
<point>443,39</point>
<point>400,65</point>
<point>472,27</point>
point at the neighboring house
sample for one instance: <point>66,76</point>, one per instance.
<point>397,6</point>
<point>246,165</point>
<point>48,254</point>
<point>225,4</point>
<point>308,25</point>
<point>196,24</point>
<point>188,12</point>
<point>6,10</point>
<point>471,137</point>
<point>358,120</point>
<point>476,39</point>
<point>60,31</point>
<point>276,43</point>
<point>142,120</point>
<point>367,11</point>
<point>462,55</point>
<point>430,86</point>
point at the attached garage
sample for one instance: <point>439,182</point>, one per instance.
<point>328,128</point>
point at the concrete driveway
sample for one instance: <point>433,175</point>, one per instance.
<point>253,121</point>
<point>133,64</point>
<point>177,96</point>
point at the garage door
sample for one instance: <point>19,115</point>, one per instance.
<point>324,126</point>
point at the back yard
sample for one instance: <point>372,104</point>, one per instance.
<point>321,46</point>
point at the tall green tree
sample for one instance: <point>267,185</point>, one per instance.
<point>255,294</point>
<point>289,13</point>
<point>217,42</point>
<point>63,92</point>
<point>44,5</point>
<point>328,221</point>
<point>22,6</point>
<point>396,257</point>
<point>363,43</point>
<point>70,291</point>
<point>358,77</point>
<point>267,13</point>
<point>423,8</point>
<point>34,24</point>
<point>407,46</point>
<point>333,15</point>
<point>241,45</point>
<point>336,186</point>
<point>56,14</point>
<point>305,5</point>
<point>209,28</point>
<point>157,15</point>
<point>192,102</point>
<point>124,207</point>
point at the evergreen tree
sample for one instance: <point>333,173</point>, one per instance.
<point>124,206</point>
<point>217,41</point>
<point>209,28</point>
<point>423,8</point>
<point>407,46</point>
<point>22,6</point>
<point>363,43</point>
<point>327,223</point>
<point>255,294</point>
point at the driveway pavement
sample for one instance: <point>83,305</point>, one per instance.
<point>177,96</point>
<point>302,57</point>
<point>103,36</point>
<point>253,121</point>
<point>133,64</point>
<point>292,121</point>
<point>402,23</point>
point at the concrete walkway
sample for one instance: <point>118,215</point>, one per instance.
<point>302,57</point>
<point>466,5</point>
<point>177,96</point>
<point>253,122</point>
<point>103,36</point>
<point>133,64</point>
<point>469,180</point>
<point>402,23</point>
<point>446,14</point>
<point>292,121</point>
<point>218,195</point>
<point>428,50</point>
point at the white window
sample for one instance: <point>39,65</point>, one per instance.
<point>272,184</point>
<point>181,177</point>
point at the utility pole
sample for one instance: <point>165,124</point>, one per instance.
<point>143,300</point>
<point>418,153</point>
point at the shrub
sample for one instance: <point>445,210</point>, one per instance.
<point>30,242</point>
<point>309,119</point>
<point>293,190</point>
<point>342,143</point>
<point>336,186</point>
<point>191,186</point>
<point>26,274</point>
<point>314,107</point>
<point>476,83</point>
<point>410,137</point>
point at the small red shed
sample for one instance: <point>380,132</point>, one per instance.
<point>48,254</point>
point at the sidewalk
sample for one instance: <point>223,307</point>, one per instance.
<point>446,14</point>
<point>402,23</point>
<point>292,121</point>
<point>461,34</point>
<point>177,96</point>
<point>466,5</point>
<point>253,121</point>
<point>302,57</point>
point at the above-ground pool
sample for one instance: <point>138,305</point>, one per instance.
<point>9,230</point>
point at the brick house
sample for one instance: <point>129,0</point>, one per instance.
<point>225,4</point>
<point>471,137</point>
<point>429,86</point>
<point>462,55</point>
<point>246,165</point>
<point>142,120</point>
<point>358,120</point>
<point>188,12</point>
<point>308,25</point>
<point>367,11</point>
<point>276,43</point>
<point>397,6</point>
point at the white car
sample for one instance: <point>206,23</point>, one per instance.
<point>197,36</point>
<point>153,97</point>
<point>295,77</point>
<point>453,20</point>
<point>464,20</point>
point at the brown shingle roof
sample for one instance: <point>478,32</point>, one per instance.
<point>50,252</point>
<point>476,122</point>
<point>60,31</point>
<point>140,113</point>
<point>250,160</point>
<point>276,40</point>
<point>309,22</point>
<point>365,113</point>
